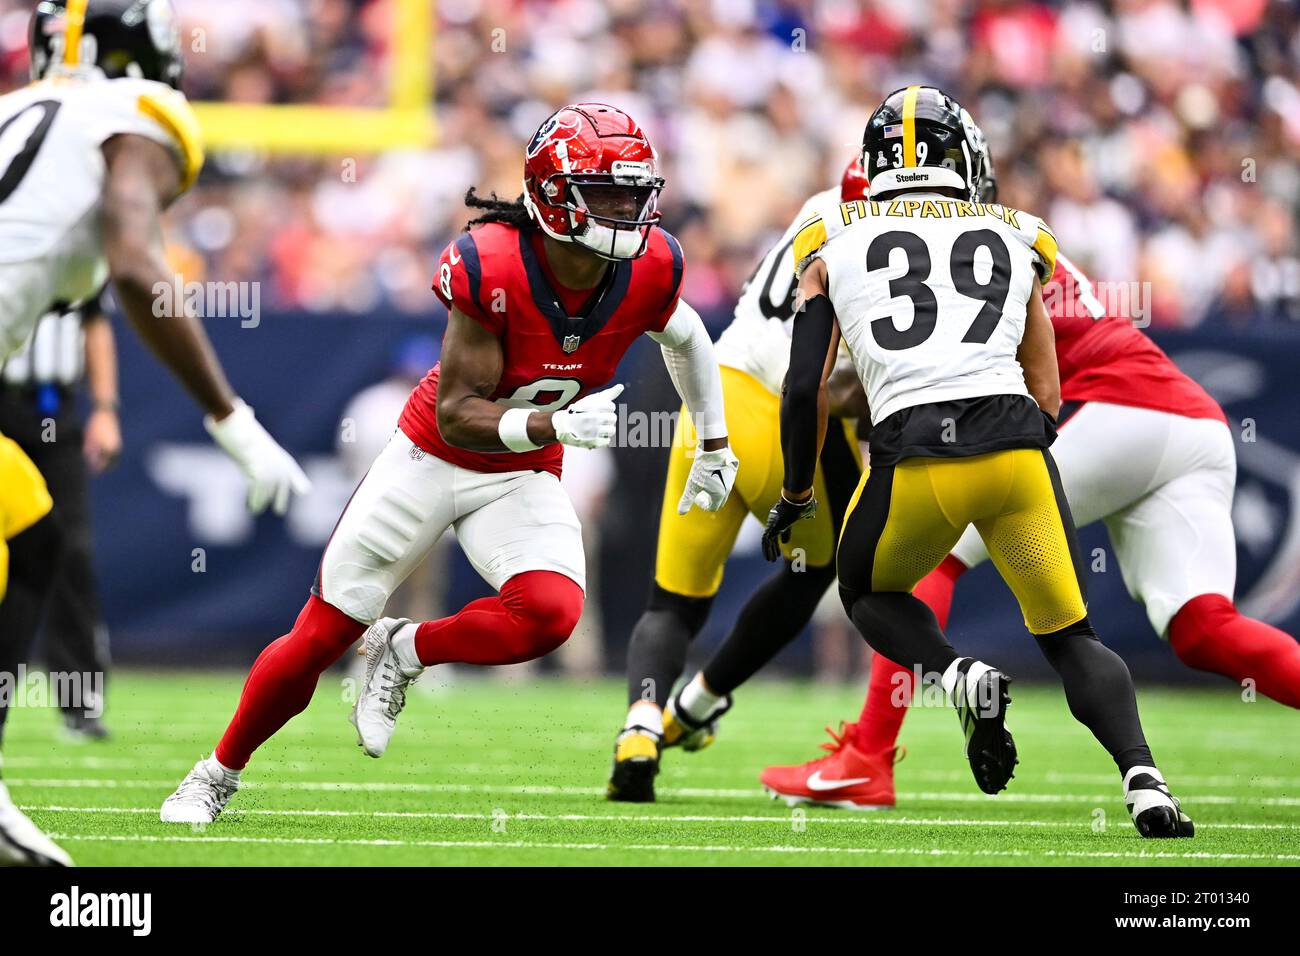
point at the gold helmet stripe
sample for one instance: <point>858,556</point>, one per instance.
<point>76,15</point>
<point>909,126</point>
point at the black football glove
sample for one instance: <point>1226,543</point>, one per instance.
<point>779,521</point>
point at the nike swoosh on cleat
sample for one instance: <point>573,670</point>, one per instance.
<point>815,782</point>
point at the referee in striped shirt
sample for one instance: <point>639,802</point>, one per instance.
<point>41,411</point>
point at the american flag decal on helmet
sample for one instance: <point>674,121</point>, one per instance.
<point>892,131</point>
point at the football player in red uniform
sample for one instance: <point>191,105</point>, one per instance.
<point>545,295</point>
<point>1141,447</point>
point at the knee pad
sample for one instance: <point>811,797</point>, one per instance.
<point>691,611</point>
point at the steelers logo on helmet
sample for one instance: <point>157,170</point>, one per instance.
<point>591,177</point>
<point>919,138</point>
<point>119,38</point>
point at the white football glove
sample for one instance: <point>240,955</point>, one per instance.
<point>272,473</point>
<point>589,422</point>
<point>712,475</point>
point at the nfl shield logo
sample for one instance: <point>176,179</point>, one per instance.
<point>571,343</point>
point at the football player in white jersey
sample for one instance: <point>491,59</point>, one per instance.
<point>693,548</point>
<point>939,301</point>
<point>91,153</point>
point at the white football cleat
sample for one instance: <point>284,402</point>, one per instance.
<point>383,690</point>
<point>21,841</point>
<point>202,795</point>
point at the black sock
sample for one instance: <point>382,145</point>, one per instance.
<point>34,560</point>
<point>902,628</point>
<point>1099,690</point>
<point>656,653</point>
<point>771,619</point>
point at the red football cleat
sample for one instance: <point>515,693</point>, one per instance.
<point>847,777</point>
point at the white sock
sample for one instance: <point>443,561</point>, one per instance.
<point>216,766</point>
<point>949,678</point>
<point>697,700</point>
<point>645,713</point>
<point>403,643</point>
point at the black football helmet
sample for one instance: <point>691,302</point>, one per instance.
<point>921,138</point>
<point>136,38</point>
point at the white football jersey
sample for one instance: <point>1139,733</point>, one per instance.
<point>930,293</point>
<point>52,180</point>
<point>757,341</point>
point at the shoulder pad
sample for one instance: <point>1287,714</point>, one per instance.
<point>807,241</point>
<point>1033,232</point>
<point>170,110</point>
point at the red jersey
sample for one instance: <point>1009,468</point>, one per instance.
<point>497,275</point>
<point>1105,358</point>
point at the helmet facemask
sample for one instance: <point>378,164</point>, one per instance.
<point>609,213</point>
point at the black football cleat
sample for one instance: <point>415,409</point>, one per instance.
<point>683,730</point>
<point>80,726</point>
<point>636,762</point>
<point>1156,812</point>
<point>981,696</point>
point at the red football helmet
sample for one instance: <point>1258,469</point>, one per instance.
<point>592,177</point>
<point>854,184</point>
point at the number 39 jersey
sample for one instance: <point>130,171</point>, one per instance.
<point>52,180</point>
<point>930,294</point>
<point>497,276</point>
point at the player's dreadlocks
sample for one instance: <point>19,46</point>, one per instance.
<point>510,212</point>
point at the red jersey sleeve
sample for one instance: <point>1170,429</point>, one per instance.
<point>668,258</point>
<point>459,283</point>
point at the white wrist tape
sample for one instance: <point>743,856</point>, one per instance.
<point>513,430</point>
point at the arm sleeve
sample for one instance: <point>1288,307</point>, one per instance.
<point>810,340</point>
<point>688,354</point>
<point>459,283</point>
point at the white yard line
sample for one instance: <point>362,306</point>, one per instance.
<point>704,793</point>
<point>677,848</point>
<point>272,767</point>
<point>851,819</point>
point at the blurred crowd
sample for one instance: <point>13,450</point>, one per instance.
<point>1159,138</point>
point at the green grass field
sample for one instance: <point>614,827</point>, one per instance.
<point>484,772</point>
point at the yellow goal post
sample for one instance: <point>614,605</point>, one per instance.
<point>407,122</point>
